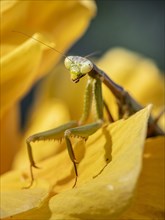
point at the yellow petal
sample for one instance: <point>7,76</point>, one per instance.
<point>161,120</point>
<point>15,199</point>
<point>10,137</point>
<point>55,13</point>
<point>18,72</point>
<point>13,13</point>
<point>149,199</point>
<point>107,195</point>
<point>39,213</point>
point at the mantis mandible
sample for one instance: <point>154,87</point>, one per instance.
<point>127,105</point>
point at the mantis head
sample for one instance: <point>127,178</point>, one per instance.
<point>78,67</point>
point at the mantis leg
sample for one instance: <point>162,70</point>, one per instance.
<point>110,118</point>
<point>83,131</point>
<point>53,134</point>
<point>88,96</point>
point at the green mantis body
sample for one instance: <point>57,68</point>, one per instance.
<point>78,68</point>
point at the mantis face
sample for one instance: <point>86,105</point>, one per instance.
<point>78,67</point>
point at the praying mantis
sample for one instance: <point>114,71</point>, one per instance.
<point>80,67</point>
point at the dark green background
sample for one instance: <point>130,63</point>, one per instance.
<point>138,25</point>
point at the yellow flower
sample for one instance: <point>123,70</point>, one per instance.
<point>100,193</point>
<point>105,196</point>
<point>148,202</point>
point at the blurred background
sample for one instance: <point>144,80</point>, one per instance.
<point>138,25</point>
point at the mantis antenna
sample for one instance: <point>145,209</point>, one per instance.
<point>29,36</point>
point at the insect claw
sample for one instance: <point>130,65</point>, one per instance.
<point>75,182</point>
<point>76,162</point>
<point>35,166</point>
<point>29,186</point>
<point>32,177</point>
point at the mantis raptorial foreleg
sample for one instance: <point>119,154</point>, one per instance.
<point>93,92</point>
<point>53,134</point>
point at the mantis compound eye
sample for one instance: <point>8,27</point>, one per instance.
<point>86,67</point>
<point>68,62</point>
